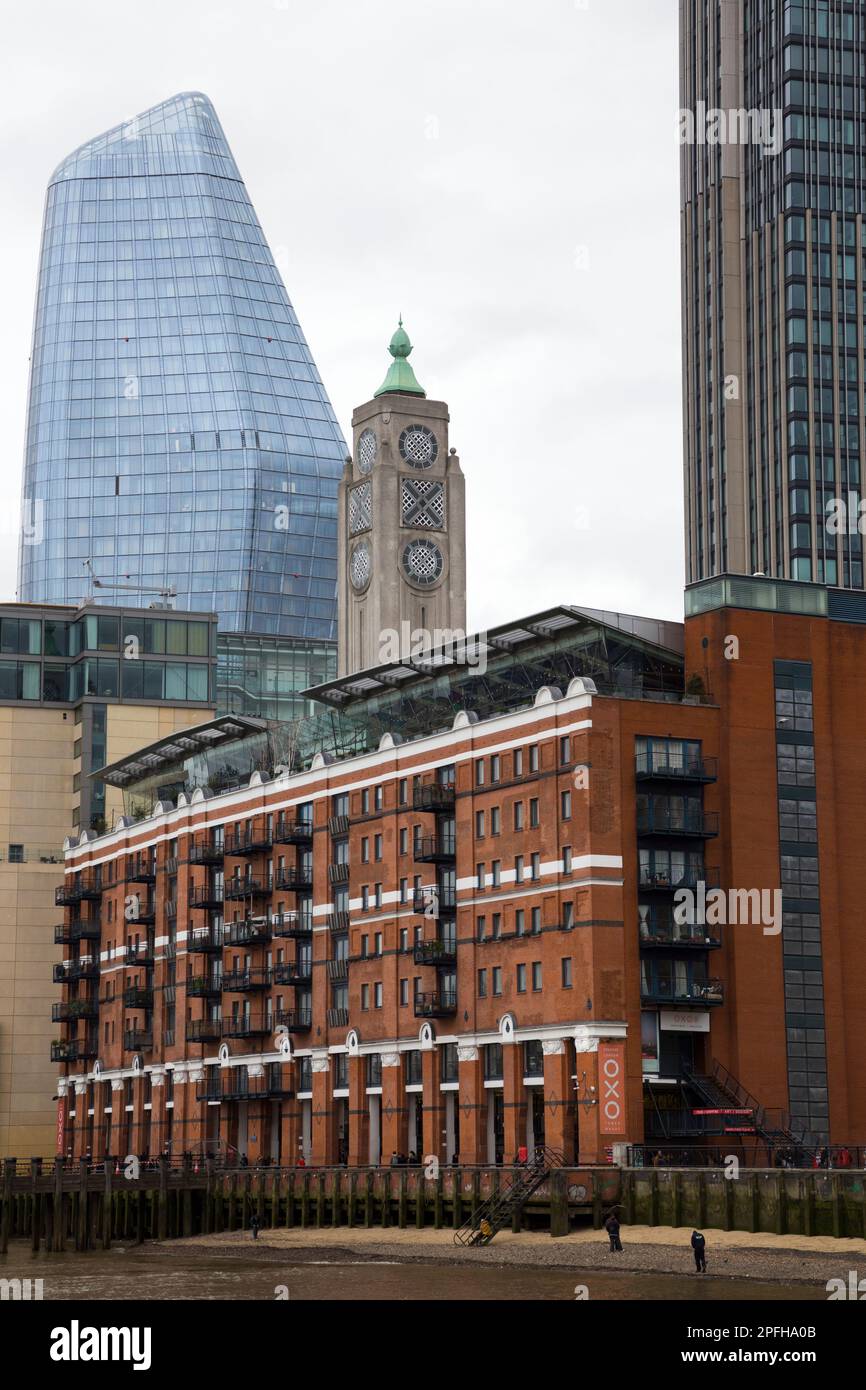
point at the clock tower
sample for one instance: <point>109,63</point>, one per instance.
<point>401,526</point>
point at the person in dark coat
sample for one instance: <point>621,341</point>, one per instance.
<point>699,1245</point>
<point>611,1225</point>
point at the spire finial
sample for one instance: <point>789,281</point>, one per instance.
<point>401,379</point>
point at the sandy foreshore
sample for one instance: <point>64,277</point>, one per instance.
<point>646,1249</point>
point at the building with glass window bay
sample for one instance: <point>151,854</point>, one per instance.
<point>178,431</point>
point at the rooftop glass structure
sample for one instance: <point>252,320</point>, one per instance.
<point>178,431</point>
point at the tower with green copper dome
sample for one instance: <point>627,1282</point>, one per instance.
<point>401,525</point>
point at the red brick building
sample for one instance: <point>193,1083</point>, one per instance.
<point>461,937</point>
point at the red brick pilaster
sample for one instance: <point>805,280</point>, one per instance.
<point>473,1106</point>
<point>559,1100</point>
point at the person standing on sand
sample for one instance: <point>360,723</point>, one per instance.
<point>699,1245</point>
<point>611,1225</point>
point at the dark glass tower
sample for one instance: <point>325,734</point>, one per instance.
<point>773,303</point>
<point>178,432</point>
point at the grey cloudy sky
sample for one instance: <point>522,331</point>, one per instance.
<point>504,173</point>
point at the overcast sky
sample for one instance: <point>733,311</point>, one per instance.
<point>504,173</point>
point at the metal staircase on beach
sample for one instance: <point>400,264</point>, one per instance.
<point>499,1211</point>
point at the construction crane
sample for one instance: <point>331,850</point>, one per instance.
<point>166,594</point>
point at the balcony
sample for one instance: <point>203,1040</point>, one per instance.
<point>75,970</point>
<point>445,901</point>
<point>293,880</point>
<point>293,972</point>
<point>435,849</point>
<point>142,873</point>
<point>74,1050</point>
<point>246,981</point>
<point>295,1020</point>
<point>682,993</point>
<point>204,939</point>
<point>338,873</point>
<point>137,1040</point>
<point>338,923</point>
<point>293,925</point>
<point>203,987</point>
<point>254,842</point>
<point>146,914</point>
<point>294,832</point>
<point>210,1086</point>
<point>661,930</point>
<point>73,1009</point>
<point>83,929</point>
<point>658,879</point>
<point>438,952</point>
<point>253,931</point>
<point>77,890</point>
<point>338,969</point>
<point>210,852</point>
<point>203,1030</point>
<point>236,889</point>
<point>438,1003</point>
<point>338,825</point>
<point>667,767</point>
<point>137,997</point>
<point>208,896</point>
<point>433,796</point>
<point>141,954</point>
<point>246,1026</point>
<point>338,1018</point>
<point>237,1085</point>
<point>278,1089</point>
<point>673,821</point>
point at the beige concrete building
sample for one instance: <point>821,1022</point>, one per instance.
<point>72,699</point>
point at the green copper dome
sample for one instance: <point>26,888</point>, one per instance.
<point>401,379</point>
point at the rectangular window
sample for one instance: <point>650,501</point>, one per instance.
<point>479,825</point>
<point>494,820</point>
<point>365,997</point>
<point>482,984</point>
<point>536,921</point>
<point>494,768</point>
<point>497,925</point>
<point>404,993</point>
<point>377,995</point>
<point>497,979</point>
<point>533,757</point>
<point>518,762</point>
<point>480,928</point>
<point>565,800</point>
<point>566,859</point>
<point>479,773</point>
<point>536,975</point>
<point>404,841</point>
<point>520,922</point>
<point>479,877</point>
<point>496,868</point>
<point>518,869</point>
<point>566,972</point>
<point>533,813</point>
<point>521,979</point>
<point>518,815</point>
<point>565,749</point>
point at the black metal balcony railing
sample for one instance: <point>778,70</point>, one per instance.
<point>253,842</point>
<point>253,931</point>
<point>236,1085</point>
<point>445,901</point>
<point>671,820</point>
<point>203,1030</point>
<point>210,852</point>
<point>294,879</point>
<point>296,1020</point>
<point>142,873</point>
<point>246,1026</point>
<point>204,987</point>
<point>442,951</point>
<point>205,939</point>
<point>666,766</point>
<point>338,922</point>
<point>246,981</point>
<point>435,849</point>
<point>433,796</point>
<point>138,1040</point>
<point>292,924</point>
<point>338,825</point>
<point>338,873</point>
<point>293,832</point>
<point>74,1050</point>
<point>77,890</point>
<point>439,1003</point>
<point>75,970</point>
<point>237,888</point>
<point>293,972</point>
<point>703,993</point>
<point>338,969</point>
<point>207,895</point>
<point>655,930</point>
<point>140,954</point>
<point>338,1018</point>
<point>137,997</point>
<point>73,1009</point>
<point>82,929</point>
<point>657,879</point>
<point>146,914</point>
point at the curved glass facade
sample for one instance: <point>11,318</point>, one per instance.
<point>178,431</point>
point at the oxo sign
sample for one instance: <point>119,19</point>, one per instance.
<point>611,1085</point>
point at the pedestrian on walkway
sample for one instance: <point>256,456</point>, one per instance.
<point>699,1245</point>
<point>611,1225</point>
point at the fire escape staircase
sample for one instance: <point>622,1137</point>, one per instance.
<point>499,1211</point>
<point>723,1091</point>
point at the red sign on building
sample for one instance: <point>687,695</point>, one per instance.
<point>611,1085</point>
<point>61,1126</point>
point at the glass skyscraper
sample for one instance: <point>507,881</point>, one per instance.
<point>773,196</point>
<point>178,431</point>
